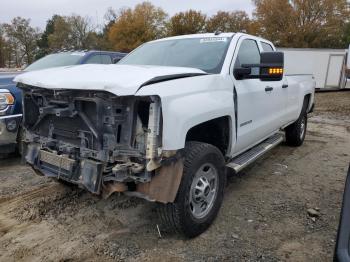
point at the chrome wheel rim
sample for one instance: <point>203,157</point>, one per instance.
<point>203,190</point>
<point>302,127</point>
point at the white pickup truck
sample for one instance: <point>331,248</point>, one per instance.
<point>167,121</point>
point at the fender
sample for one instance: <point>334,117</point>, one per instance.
<point>306,88</point>
<point>191,101</point>
<point>299,87</point>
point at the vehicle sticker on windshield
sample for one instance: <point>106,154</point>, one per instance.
<point>213,39</point>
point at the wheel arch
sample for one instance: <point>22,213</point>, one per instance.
<point>307,101</point>
<point>216,132</point>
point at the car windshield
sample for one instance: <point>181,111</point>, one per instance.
<point>207,53</point>
<point>56,60</point>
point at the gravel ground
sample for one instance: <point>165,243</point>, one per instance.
<point>264,216</point>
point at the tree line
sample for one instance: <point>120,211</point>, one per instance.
<point>287,23</point>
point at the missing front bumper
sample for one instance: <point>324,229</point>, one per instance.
<point>162,186</point>
<point>86,173</point>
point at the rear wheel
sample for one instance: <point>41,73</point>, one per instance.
<point>295,133</point>
<point>200,193</point>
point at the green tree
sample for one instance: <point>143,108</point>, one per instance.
<point>133,27</point>
<point>237,21</point>
<point>346,34</point>
<point>2,48</point>
<point>110,18</point>
<point>43,42</point>
<point>7,50</point>
<point>61,36</point>
<point>72,32</point>
<point>189,22</point>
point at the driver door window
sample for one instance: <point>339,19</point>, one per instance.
<point>248,53</point>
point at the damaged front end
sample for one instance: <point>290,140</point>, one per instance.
<point>100,141</point>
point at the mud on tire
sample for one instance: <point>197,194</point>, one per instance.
<point>200,193</point>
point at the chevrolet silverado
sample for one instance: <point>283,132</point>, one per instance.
<point>167,121</point>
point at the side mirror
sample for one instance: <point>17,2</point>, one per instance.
<point>242,72</point>
<point>270,68</point>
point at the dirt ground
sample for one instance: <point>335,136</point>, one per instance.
<point>264,216</point>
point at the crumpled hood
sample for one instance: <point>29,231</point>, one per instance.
<point>117,79</point>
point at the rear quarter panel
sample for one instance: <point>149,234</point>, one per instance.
<point>299,86</point>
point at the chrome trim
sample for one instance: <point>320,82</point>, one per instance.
<point>4,90</point>
<point>278,138</point>
<point>10,116</point>
<point>4,110</point>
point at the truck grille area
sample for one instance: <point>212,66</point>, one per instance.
<point>65,129</point>
<point>87,124</point>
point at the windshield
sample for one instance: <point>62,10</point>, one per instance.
<point>207,54</point>
<point>56,60</point>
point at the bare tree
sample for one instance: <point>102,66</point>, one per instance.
<point>82,31</point>
<point>111,15</point>
<point>72,32</point>
<point>23,39</point>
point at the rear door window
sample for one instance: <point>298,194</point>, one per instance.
<point>266,47</point>
<point>99,59</point>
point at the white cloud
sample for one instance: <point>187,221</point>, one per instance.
<point>39,11</point>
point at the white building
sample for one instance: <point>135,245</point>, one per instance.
<point>327,65</point>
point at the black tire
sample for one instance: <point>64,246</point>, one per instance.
<point>295,133</point>
<point>179,216</point>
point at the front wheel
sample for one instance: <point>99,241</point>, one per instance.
<point>200,193</point>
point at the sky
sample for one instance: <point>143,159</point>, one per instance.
<point>39,11</point>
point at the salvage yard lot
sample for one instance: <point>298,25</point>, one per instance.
<point>264,216</point>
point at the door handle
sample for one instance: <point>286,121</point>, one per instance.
<point>284,86</point>
<point>268,88</point>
